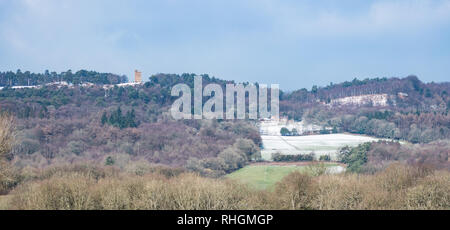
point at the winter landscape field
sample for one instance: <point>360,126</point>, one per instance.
<point>328,144</point>
<point>224,105</point>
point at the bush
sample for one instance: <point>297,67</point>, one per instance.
<point>293,158</point>
<point>26,146</point>
<point>285,132</point>
<point>109,161</point>
<point>355,158</point>
<point>9,177</point>
<point>76,147</point>
<point>152,191</point>
<point>162,188</point>
<point>431,192</point>
<point>7,135</point>
<point>227,161</point>
<point>325,158</point>
<point>233,158</point>
<point>248,147</point>
<point>316,168</point>
<point>296,191</point>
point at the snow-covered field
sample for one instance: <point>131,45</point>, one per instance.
<point>375,99</point>
<point>273,127</point>
<point>327,144</point>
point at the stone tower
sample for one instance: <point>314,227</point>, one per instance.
<point>137,76</point>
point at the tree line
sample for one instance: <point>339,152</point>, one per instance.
<point>19,78</point>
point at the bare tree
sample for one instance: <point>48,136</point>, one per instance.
<point>6,134</point>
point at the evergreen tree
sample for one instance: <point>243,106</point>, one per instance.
<point>109,161</point>
<point>118,120</point>
<point>104,118</point>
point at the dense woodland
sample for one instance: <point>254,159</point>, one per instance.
<point>19,78</point>
<point>75,147</point>
<point>421,117</point>
<point>125,126</point>
<point>376,156</point>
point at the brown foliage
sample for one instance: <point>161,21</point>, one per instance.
<point>397,187</point>
<point>8,175</point>
<point>6,134</point>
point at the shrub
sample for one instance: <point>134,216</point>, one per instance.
<point>292,158</point>
<point>234,159</point>
<point>9,177</point>
<point>7,135</point>
<point>151,191</point>
<point>325,158</point>
<point>355,158</point>
<point>162,188</point>
<point>296,191</point>
<point>285,132</point>
<point>248,147</point>
<point>316,168</point>
<point>431,192</point>
<point>109,161</point>
<point>338,192</point>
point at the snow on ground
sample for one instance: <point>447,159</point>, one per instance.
<point>327,144</point>
<point>335,169</point>
<point>273,127</point>
<point>375,99</point>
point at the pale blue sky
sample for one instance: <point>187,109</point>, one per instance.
<point>292,43</point>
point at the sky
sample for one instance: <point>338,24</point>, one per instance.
<point>296,44</point>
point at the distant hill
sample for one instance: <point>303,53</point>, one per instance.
<point>58,124</point>
<point>399,108</point>
<point>125,126</point>
<point>19,78</point>
<point>402,94</point>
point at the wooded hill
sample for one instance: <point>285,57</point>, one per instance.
<point>129,125</point>
<point>19,78</point>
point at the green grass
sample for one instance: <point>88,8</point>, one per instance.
<point>265,176</point>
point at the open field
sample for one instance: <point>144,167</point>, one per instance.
<point>327,144</point>
<point>265,175</point>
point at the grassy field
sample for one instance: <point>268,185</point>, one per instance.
<point>265,176</point>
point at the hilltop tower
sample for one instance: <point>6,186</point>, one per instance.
<point>137,76</point>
